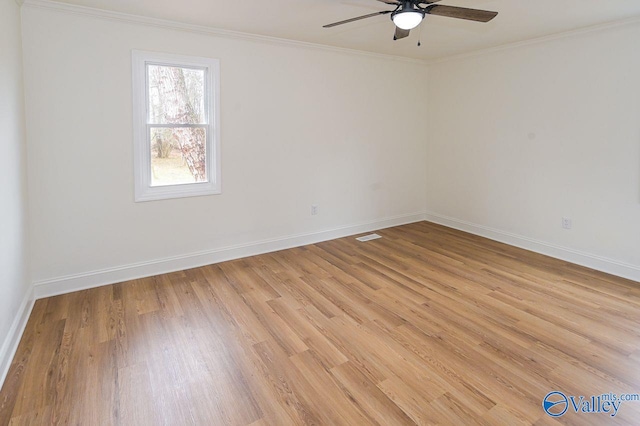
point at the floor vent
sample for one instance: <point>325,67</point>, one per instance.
<point>368,237</point>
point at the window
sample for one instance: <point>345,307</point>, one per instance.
<point>176,126</point>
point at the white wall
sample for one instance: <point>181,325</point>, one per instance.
<point>14,282</point>
<point>521,137</point>
<point>515,139</point>
<point>299,126</point>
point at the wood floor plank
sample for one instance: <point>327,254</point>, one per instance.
<point>292,387</point>
<point>322,348</point>
<point>427,325</point>
<point>330,398</point>
<point>369,397</point>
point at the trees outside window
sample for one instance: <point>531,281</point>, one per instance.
<point>176,130</point>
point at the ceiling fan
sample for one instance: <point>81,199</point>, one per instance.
<point>409,13</point>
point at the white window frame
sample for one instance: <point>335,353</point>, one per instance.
<point>141,126</point>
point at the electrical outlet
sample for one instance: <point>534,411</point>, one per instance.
<point>314,209</point>
<point>566,223</point>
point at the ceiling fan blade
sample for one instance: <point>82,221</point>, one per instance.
<point>346,21</point>
<point>461,13</point>
<point>400,33</point>
<point>391,2</point>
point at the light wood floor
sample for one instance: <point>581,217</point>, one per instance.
<point>427,325</point>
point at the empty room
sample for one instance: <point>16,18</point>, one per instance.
<point>319,212</point>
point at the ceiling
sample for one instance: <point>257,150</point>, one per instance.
<point>302,20</point>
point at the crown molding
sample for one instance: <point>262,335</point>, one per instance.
<point>204,30</point>
<point>218,32</point>
<point>538,40</point>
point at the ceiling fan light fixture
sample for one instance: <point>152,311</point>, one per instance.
<point>407,19</point>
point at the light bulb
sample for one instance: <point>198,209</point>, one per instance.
<point>407,20</point>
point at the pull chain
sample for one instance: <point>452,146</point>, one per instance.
<point>419,35</point>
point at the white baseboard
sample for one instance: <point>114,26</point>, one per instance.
<point>610,266</point>
<point>91,279</point>
<point>10,344</point>
<point>71,283</point>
